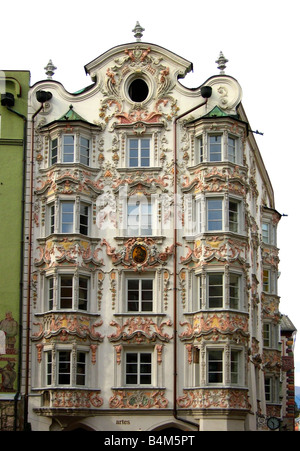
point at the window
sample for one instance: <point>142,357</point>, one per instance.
<point>49,367</point>
<point>215,147</point>
<point>140,295</point>
<point>139,152</point>
<point>67,217</point>
<point>84,151</point>
<point>214,214</point>
<point>215,366</point>
<point>53,151</point>
<point>267,335</point>
<point>201,149</point>
<point>215,290</point>
<point>138,368</point>
<point>233,216</point>
<point>266,281</point>
<point>271,389</point>
<point>234,291</point>
<point>68,220</point>
<point>66,292</point>
<point>83,295</point>
<point>73,292</point>
<point>138,90</point>
<point>68,149</point>
<point>50,293</point>
<point>139,218</point>
<point>266,232</point>
<point>234,366</point>
<point>84,219</point>
<point>232,149</point>
<point>65,366</point>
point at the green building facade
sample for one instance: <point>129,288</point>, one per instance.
<point>14,87</point>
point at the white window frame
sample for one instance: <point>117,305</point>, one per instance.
<point>139,353</point>
<point>135,221</point>
<point>53,287</point>
<point>140,290</point>
<point>58,144</point>
<point>55,209</point>
<point>54,370</point>
<point>218,368</point>
<point>139,152</point>
<point>227,216</point>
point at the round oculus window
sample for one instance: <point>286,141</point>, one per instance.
<point>138,90</point>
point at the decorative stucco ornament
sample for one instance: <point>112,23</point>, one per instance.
<point>138,32</point>
<point>50,68</point>
<point>221,61</point>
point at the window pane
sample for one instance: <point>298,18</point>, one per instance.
<point>233,216</point>
<point>49,368</point>
<point>215,148</point>
<point>66,292</point>
<point>84,219</point>
<point>215,366</point>
<point>131,368</point>
<point>234,291</point>
<point>84,151</point>
<point>64,367</point>
<point>53,156</point>
<point>215,291</point>
<point>145,368</point>
<point>68,149</point>
<point>83,293</point>
<point>139,152</point>
<point>67,217</point>
<point>234,367</point>
<point>50,293</point>
<point>232,149</point>
<point>81,368</point>
<point>214,214</point>
<point>265,233</point>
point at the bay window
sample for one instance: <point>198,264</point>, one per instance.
<point>65,368</point>
<point>69,220</point>
<point>69,149</point>
<point>68,292</point>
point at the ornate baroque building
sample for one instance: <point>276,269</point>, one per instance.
<point>151,297</point>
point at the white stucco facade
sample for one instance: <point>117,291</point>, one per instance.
<point>153,298</point>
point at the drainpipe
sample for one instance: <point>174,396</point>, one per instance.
<point>16,397</point>
<point>205,93</point>
<point>42,97</point>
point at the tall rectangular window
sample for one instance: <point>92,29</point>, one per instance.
<point>231,149</point>
<point>67,217</point>
<point>215,290</point>
<point>215,147</point>
<point>84,219</point>
<point>234,366</point>
<point>49,367</point>
<point>233,216</point>
<point>138,368</point>
<point>201,149</point>
<point>214,214</point>
<point>140,295</point>
<point>50,293</point>
<point>52,218</point>
<point>266,232</point>
<point>267,335</point>
<point>266,281</point>
<point>81,368</point>
<point>139,218</point>
<point>53,151</point>
<point>68,149</point>
<point>66,292</point>
<point>215,366</point>
<point>234,291</point>
<point>83,293</point>
<point>139,152</point>
<point>84,151</point>
<point>64,367</point>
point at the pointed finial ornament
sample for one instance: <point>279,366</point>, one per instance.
<point>50,68</point>
<point>222,63</point>
<point>138,32</point>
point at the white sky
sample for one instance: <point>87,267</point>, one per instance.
<point>260,38</point>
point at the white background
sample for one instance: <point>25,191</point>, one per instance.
<point>259,38</point>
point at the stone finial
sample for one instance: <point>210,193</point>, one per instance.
<point>50,68</point>
<point>221,61</point>
<point>138,32</point>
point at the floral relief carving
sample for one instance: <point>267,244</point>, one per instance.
<point>217,323</point>
<point>214,398</point>
<point>140,330</point>
<point>138,399</point>
<point>64,326</point>
<point>76,399</point>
